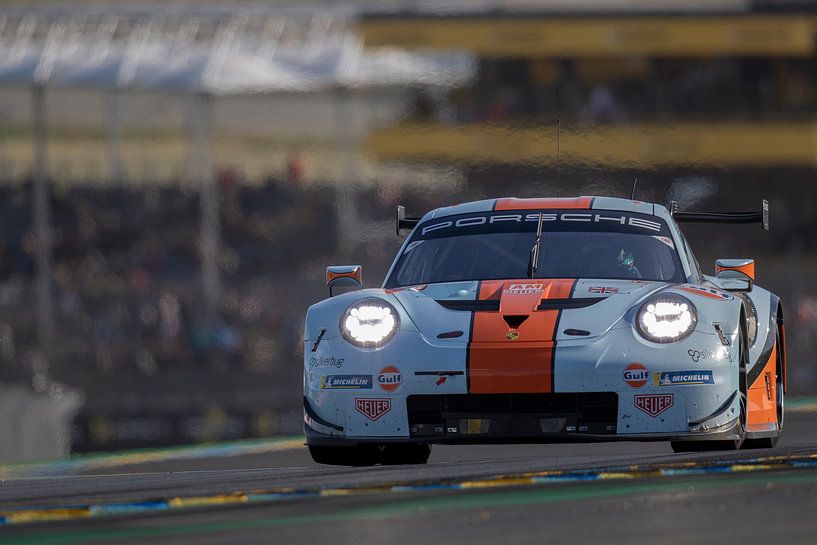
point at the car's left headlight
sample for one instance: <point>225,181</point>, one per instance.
<point>369,323</point>
<point>666,318</point>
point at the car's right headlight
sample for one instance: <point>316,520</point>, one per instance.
<point>369,323</point>
<point>666,318</point>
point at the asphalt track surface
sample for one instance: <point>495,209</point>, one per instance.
<point>565,493</point>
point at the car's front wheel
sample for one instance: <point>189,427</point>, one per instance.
<point>369,455</point>
<point>400,454</point>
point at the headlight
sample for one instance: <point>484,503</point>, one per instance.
<point>369,323</point>
<point>666,318</point>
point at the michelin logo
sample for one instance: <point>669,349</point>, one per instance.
<point>346,382</point>
<point>681,378</point>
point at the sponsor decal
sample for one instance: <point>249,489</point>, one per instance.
<point>665,240</point>
<point>329,361</point>
<point>442,375</point>
<point>346,382</point>
<point>524,289</point>
<point>621,220</point>
<point>602,289</point>
<point>705,291</point>
<point>372,408</point>
<point>698,355</point>
<point>680,378</point>
<point>389,378</point>
<point>653,404</point>
<point>636,375</point>
<point>412,245</point>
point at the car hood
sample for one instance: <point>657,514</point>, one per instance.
<point>539,310</point>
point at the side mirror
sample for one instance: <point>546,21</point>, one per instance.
<point>735,274</point>
<point>344,275</point>
<point>404,224</point>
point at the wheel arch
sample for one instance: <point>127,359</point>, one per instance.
<point>781,344</point>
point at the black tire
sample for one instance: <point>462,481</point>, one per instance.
<point>770,442</point>
<point>701,446</point>
<point>401,454</point>
<point>763,442</point>
<point>361,455</point>
<point>732,444</point>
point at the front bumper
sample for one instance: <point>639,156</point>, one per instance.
<point>514,418</point>
<point>592,399</point>
<point>727,432</point>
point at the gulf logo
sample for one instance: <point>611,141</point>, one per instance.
<point>636,375</point>
<point>389,378</point>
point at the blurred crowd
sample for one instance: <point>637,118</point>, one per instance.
<point>127,289</point>
<point>129,310</point>
<point>597,91</point>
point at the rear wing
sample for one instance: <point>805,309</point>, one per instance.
<point>761,217</point>
<point>404,224</point>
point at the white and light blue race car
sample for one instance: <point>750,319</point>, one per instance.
<point>544,320</point>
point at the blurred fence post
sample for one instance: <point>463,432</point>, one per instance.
<point>42,220</point>
<point>116,165</point>
<point>36,426</point>
<point>345,201</point>
<point>208,201</point>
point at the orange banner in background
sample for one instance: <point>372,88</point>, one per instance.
<point>637,145</point>
<point>658,36</point>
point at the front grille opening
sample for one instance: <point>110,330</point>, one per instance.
<point>512,414</point>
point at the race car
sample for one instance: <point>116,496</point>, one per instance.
<point>544,320</point>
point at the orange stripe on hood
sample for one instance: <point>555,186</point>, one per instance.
<point>523,361</point>
<point>513,203</point>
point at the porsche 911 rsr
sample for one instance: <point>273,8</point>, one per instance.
<point>544,320</point>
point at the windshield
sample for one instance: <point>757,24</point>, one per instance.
<point>497,245</point>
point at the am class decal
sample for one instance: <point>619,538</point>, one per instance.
<point>524,289</point>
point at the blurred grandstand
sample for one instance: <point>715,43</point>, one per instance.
<point>197,165</point>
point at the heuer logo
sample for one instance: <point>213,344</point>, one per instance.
<point>653,404</point>
<point>389,378</point>
<point>636,375</point>
<point>372,408</point>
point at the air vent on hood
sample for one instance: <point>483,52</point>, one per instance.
<point>514,321</point>
<point>473,306</point>
<point>559,304</point>
<point>492,305</point>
